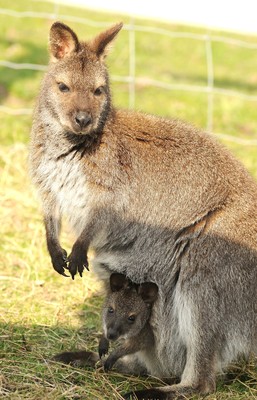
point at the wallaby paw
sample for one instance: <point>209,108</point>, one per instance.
<point>60,261</point>
<point>109,363</point>
<point>103,347</point>
<point>77,261</point>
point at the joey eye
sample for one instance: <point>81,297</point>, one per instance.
<point>98,91</point>
<point>110,310</point>
<point>131,318</point>
<point>63,88</point>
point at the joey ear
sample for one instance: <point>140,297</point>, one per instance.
<point>148,291</point>
<point>102,42</point>
<point>62,41</point>
<point>118,282</point>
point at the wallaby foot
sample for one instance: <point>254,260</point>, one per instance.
<point>148,394</point>
<point>78,358</point>
<point>178,392</point>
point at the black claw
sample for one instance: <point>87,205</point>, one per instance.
<point>102,353</point>
<point>61,271</point>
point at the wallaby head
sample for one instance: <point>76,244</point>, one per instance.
<point>76,86</point>
<point>127,307</point>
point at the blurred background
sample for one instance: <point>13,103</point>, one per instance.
<point>191,60</point>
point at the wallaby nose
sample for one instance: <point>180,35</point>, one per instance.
<point>83,119</point>
<point>112,334</point>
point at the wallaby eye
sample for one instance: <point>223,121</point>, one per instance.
<point>132,318</point>
<point>110,310</point>
<point>63,88</point>
<point>98,91</point>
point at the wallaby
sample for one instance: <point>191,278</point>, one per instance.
<point>157,200</point>
<point>126,313</point>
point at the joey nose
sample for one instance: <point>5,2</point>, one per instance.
<point>112,335</point>
<point>83,119</point>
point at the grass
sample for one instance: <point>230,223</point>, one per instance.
<point>42,313</point>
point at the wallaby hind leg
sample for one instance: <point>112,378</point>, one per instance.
<point>179,391</point>
<point>198,377</point>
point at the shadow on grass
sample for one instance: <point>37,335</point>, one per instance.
<point>28,372</point>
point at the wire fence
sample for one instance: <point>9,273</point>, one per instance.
<point>132,79</point>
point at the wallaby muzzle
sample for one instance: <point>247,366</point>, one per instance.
<point>83,120</point>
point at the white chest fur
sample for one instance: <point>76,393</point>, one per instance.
<point>65,180</point>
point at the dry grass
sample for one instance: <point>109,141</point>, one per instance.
<point>43,313</point>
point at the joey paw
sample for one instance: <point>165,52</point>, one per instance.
<point>108,364</point>
<point>103,347</point>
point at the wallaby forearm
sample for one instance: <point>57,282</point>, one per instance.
<point>57,253</point>
<point>121,351</point>
<point>103,346</point>
<point>78,257</point>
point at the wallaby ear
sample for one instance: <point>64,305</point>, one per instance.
<point>118,282</point>
<point>148,291</point>
<point>62,42</point>
<point>101,43</point>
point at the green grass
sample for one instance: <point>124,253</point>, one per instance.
<point>42,313</point>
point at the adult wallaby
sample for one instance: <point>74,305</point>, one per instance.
<point>126,313</point>
<point>157,200</point>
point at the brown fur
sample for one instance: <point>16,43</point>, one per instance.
<point>157,200</point>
